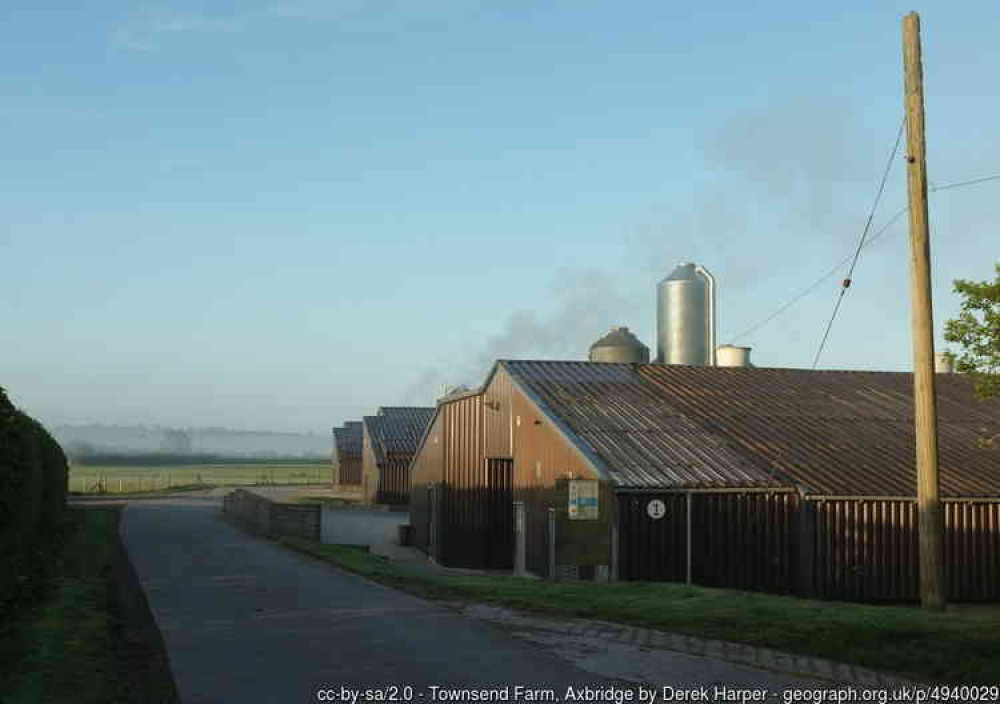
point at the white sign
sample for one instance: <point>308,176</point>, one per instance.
<point>583,505</point>
<point>656,509</point>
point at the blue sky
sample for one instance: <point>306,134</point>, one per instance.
<point>283,215</point>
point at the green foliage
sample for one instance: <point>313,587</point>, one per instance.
<point>33,476</point>
<point>977,330</point>
<point>59,648</point>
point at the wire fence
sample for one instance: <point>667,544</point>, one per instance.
<point>139,482</point>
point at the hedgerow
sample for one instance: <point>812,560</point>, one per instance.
<point>33,475</point>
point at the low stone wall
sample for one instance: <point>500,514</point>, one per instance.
<point>260,515</point>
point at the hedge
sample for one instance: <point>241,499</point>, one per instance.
<point>33,476</point>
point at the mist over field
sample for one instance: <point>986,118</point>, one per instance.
<point>126,439</point>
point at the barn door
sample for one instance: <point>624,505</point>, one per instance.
<point>500,514</point>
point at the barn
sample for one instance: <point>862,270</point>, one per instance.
<point>779,480</point>
<point>347,442</point>
<point>389,439</point>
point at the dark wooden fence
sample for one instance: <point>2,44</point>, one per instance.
<point>856,549</point>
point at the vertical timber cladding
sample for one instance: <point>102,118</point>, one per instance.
<point>426,473</point>
<point>335,462</point>
<point>739,539</point>
<point>867,549</point>
<point>584,543</point>
<point>500,513</point>
<point>541,458</point>
<point>464,520</point>
<point>369,469</point>
<point>972,550</point>
<point>350,470</point>
<point>652,548</point>
<point>394,484</point>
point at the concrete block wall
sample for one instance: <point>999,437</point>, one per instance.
<point>260,515</point>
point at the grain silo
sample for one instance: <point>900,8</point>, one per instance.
<point>732,356</point>
<point>944,363</point>
<point>620,346</point>
<point>685,317</point>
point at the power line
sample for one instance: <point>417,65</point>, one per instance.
<point>861,243</point>
<point>871,240</point>
<point>984,179</point>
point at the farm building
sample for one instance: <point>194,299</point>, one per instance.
<point>780,480</point>
<point>347,442</point>
<point>389,439</point>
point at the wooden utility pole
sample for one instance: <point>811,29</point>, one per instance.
<point>924,397</point>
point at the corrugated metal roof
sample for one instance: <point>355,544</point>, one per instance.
<point>348,439</point>
<point>397,429</point>
<point>641,439</point>
<point>373,426</point>
<point>839,432</point>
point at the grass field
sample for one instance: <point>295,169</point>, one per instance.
<point>91,479</point>
<point>961,646</point>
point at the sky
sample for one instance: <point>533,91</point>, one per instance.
<point>282,215</point>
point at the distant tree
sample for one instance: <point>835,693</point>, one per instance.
<point>80,449</point>
<point>977,330</point>
<point>176,442</point>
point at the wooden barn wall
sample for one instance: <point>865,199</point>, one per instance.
<point>346,469</point>
<point>470,439</point>
<point>498,424</point>
<point>350,470</point>
<point>738,540</point>
<point>464,491</point>
<point>394,480</point>
<point>541,456</point>
<point>335,464</point>
<point>426,471</point>
<point>840,549</point>
<point>972,550</point>
<point>369,470</point>
<point>867,550</point>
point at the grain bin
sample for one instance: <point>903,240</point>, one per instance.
<point>620,346</point>
<point>685,316</point>
<point>944,363</point>
<point>732,356</point>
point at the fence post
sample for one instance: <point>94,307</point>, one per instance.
<point>520,540</point>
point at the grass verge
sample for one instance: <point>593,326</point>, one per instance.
<point>908,641</point>
<point>324,500</point>
<point>69,644</point>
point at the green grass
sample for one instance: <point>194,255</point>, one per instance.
<point>961,647</point>
<point>59,649</point>
<point>328,500</point>
<point>142,479</point>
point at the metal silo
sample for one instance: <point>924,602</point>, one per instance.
<point>944,363</point>
<point>685,316</point>
<point>620,346</point>
<point>732,356</point>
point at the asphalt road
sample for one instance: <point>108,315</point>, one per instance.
<point>246,621</point>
